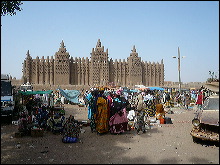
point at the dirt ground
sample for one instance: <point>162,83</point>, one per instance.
<point>163,144</point>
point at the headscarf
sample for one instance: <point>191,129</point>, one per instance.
<point>119,92</point>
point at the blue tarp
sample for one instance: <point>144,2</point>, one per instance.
<point>134,90</point>
<point>156,88</point>
<point>71,95</point>
<point>131,91</point>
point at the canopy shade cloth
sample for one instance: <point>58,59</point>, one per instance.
<point>156,88</point>
<point>130,90</point>
<point>36,92</point>
<point>133,90</point>
<point>71,95</point>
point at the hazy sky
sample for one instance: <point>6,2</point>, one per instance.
<point>156,28</point>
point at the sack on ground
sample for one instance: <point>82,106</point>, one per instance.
<point>67,139</point>
<point>168,120</point>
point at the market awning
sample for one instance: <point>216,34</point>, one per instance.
<point>36,92</point>
<point>134,91</point>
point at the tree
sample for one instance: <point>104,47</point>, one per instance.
<point>212,74</point>
<point>10,7</point>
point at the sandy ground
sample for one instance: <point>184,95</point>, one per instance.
<point>163,144</point>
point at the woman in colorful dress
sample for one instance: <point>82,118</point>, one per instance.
<point>71,130</point>
<point>92,108</point>
<point>140,119</point>
<point>102,114</point>
<point>160,113</point>
<point>118,120</point>
<point>151,109</point>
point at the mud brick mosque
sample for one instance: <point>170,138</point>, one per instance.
<point>99,70</point>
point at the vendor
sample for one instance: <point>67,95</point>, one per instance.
<point>71,127</point>
<point>24,124</point>
<point>42,117</point>
<point>56,123</point>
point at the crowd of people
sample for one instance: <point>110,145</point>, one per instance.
<point>36,114</point>
<point>56,123</point>
<point>114,111</point>
<point>111,111</point>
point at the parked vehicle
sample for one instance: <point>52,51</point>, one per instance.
<point>7,97</point>
<point>206,121</point>
<point>26,87</point>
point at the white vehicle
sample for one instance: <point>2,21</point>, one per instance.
<point>26,87</point>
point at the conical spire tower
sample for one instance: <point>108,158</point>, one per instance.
<point>62,44</point>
